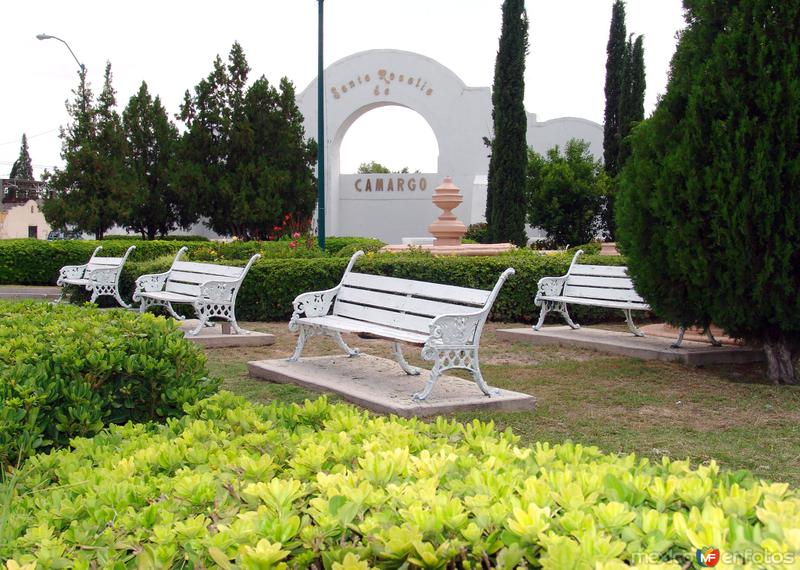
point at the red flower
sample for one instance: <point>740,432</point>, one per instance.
<point>276,229</point>
<point>295,235</point>
<point>293,244</point>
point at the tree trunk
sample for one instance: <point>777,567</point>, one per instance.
<point>780,365</point>
<point>151,234</point>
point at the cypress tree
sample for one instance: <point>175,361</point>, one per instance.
<point>708,210</point>
<point>505,205</point>
<point>631,107</point>
<point>615,71</point>
<point>22,168</point>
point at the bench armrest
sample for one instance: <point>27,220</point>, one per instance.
<point>219,290</point>
<point>149,283</point>
<point>457,330</point>
<point>312,304</point>
<point>70,272</point>
<point>103,275</point>
<point>549,287</point>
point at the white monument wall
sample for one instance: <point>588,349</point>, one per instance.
<point>460,117</point>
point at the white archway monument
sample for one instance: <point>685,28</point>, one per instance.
<point>392,206</point>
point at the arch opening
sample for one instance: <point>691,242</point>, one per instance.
<point>393,136</point>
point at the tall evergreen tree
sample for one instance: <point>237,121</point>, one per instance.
<point>615,70</point>
<point>244,152</point>
<point>505,205</point>
<point>631,107</point>
<point>93,182</point>
<point>22,168</point>
<point>708,210</point>
<point>151,207</point>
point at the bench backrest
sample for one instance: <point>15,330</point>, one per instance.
<point>601,282</point>
<point>107,262</point>
<point>404,303</point>
<point>187,276</point>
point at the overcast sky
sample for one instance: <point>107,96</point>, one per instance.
<point>171,45</point>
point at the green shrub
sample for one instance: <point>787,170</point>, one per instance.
<point>479,233</point>
<point>335,245</point>
<point>67,371</point>
<point>239,485</point>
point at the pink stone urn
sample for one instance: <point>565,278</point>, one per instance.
<point>447,229</point>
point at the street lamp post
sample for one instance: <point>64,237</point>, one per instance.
<point>49,37</point>
<point>320,139</point>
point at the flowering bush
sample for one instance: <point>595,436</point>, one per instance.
<point>239,485</point>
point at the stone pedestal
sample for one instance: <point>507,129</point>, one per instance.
<point>448,230</point>
<point>609,248</point>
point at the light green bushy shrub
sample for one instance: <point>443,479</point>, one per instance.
<point>239,485</point>
<point>67,371</point>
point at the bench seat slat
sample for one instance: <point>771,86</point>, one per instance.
<point>80,281</point>
<point>170,296</point>
<point>600,270</point>
<point>104,262</point>
<point>383,317</point>
<point>343,324</point>
<point>184,288</point>
<point>602,293</point>
<point>195,278</point>
<point>599,302</point>
<point>450,293</point>
<point>208,269</point>
<point>403,303</point>
<point>610,282</point>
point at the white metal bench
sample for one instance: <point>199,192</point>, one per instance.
<point>445,320</point>
<point>100,276</point>
<point>594,285</point>
<point>211,289</point>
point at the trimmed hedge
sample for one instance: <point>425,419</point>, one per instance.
<point>239,485</point>
<point>161,238</point>
<point>68,371</point>
<point>37,262</point>
<point>272,284</point>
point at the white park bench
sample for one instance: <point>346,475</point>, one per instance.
<point>211,289</point>
<point>445,320</point>
<point>594,285</point>
<point>100,276</point>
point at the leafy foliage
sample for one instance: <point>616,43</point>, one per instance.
<point>151,207</point>
<point>505,212</point>
<point>244,161</point>
<point>236,484</point>
<point>22,169</point>
<point>565,192</point>
<point>68,371</point>
<point>377,168</point>
<point>710,215</point>
<point>94,181</point>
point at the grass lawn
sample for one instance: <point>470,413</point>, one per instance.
<point>622,405</point>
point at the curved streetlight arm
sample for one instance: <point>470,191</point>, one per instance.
<point>49,37</point>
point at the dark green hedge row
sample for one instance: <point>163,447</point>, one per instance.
<point>69,371</point>
<point>272,284</point>
<point>37,262</point>
<point>162,238</point>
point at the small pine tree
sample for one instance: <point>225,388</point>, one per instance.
<point>505,211</point>
<point>244,155</point>
<point>708,213</point>
<point>93,183</point>
<point>22,168</point>
<point>150,207</point>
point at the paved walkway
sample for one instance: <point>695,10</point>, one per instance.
<point>29,292</point>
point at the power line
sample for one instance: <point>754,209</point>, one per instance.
<point>17,141</point>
